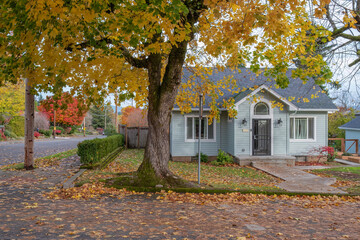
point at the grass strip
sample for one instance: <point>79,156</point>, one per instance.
<point>43,161</point>
<point>222,191</point>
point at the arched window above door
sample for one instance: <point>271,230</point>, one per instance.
<point>261,109</point>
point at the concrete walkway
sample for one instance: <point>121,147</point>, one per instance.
<point>352,164</point>
<point>296,180</point>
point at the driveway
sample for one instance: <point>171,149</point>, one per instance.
<point>14,152</point>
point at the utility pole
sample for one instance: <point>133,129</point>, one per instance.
<point>116,114</point>
<point>84,127</point>
<point>54,132</point>
<point>105,119</point>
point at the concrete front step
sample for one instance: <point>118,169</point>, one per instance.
<point>354,159</point>
<point>281,160</point>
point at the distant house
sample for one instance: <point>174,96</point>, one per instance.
<point>352,131</point>
<point>258,129</point>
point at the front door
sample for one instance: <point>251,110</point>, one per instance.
<point>261,137</point>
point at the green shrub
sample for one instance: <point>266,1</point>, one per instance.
<point>58,128</point>
<point>73,129</point>
<point>10,134</point>
<point>203,157</point>
<point>92,151</point>
<point>223,158</point>
<point>46,133</point>
<point>346,154</point>
<point>110,130</point>
<point>17,126</point>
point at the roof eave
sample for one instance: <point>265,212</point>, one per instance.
<point>347,128</point>
<point>292,107</point>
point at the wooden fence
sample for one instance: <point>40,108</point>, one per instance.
<point>135,137</point>
<point>355,141</point>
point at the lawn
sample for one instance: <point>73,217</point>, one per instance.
<point>231,177</point>
<point>348,178</point>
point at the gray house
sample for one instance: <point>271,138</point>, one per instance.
<point>259,130</point>
<point>352,131</point>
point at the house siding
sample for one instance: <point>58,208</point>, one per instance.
<point>243,134</point>
<point>321,131</point>
<point>181,148</point>
<point>351,134</point>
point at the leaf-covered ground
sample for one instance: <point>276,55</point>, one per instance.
<point>32,206</point>
<point>231,176</point>
<point>348,178</point>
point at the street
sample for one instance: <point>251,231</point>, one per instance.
<point>14,152</point>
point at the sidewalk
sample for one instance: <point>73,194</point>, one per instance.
<point>299,181</point>
<point>26,213</point>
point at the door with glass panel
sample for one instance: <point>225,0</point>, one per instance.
<point>261,137</point>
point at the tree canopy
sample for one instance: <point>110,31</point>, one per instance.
<point>12,100</point>
<point>140,46</point>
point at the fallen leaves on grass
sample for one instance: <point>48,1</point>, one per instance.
<point>88,191</point>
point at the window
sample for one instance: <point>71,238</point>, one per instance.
<point>192,129</point>
<point>261,109</point>
<point>302,128</point>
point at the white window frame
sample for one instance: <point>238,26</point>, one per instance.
<point>193,127</point>
<point>307,132</point>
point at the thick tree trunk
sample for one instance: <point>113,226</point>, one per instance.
<point>29,128</point>
<point>162,95</point>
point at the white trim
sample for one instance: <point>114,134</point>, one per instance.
<point>317,110</point>
<point>193,127</point>
<point>307,133</point>
<point>292,107</point>
<point>197,109</point>
<point>353,129</point>
<point>270,116</point>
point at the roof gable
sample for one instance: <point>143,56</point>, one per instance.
<point>247,80</point>
<point>240,100</point>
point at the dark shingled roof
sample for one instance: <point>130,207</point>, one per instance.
<point>355,123</point>
<point>248,79</point>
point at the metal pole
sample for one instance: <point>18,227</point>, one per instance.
<point>199,145</point>
<point>105,118</point>
<point>54,122</point>
<point>84,127</point>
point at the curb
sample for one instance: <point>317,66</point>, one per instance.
<point>70,182</point>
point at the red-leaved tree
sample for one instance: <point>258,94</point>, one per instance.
<point>68,110</point>
<point>134,117</point>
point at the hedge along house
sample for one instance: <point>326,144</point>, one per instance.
<point>259,131</point>
<point>352,131</point>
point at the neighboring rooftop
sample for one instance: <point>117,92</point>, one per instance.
<point>247,79</point>
<point>353,124</point>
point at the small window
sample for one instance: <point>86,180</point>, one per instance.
<point>192,128</point>
<point>302,128</point>
<point>261,109</point>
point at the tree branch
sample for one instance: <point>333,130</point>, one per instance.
<point>354,62</point>
<point>135,62</point>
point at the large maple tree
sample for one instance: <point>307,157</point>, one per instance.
<point>98,47</point>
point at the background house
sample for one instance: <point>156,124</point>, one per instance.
<point>258,129</point>
<point>352,131</point>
